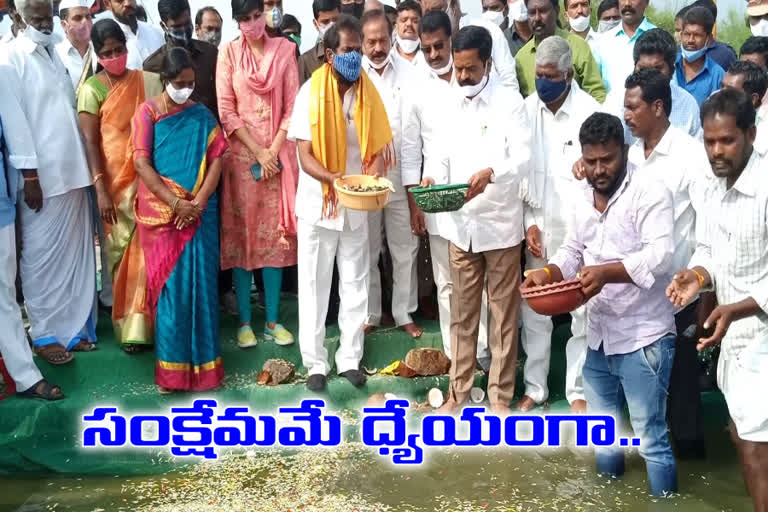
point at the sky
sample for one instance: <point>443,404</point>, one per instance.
<point>302,9</point>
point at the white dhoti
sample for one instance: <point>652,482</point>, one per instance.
<point>395,219</point>
<point>441,269</point>
<point>318,249</point>
<point>58,270</point>
<point>742,377</point>
<point>575,355</point>
<point>14,348</point>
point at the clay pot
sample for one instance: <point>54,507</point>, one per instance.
<point>554,299</point>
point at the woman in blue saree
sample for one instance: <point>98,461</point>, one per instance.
<point>177,145</point>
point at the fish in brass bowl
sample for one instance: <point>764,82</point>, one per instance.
<point>555,298</point>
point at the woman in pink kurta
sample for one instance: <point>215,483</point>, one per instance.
<point>256,83</point>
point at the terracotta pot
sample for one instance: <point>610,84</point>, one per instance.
<point>554,299</point>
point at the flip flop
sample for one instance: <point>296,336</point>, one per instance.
<point>55,357</point>
<point>50,393</point>
<point>84,346</point>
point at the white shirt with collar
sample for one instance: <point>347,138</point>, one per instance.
<point>425,121</point>
<point>394,85</point>
<point>761,140</point>
<point>72,59</point>
<point>555,148</point>
<point>735,249</point>
<point>681,163</point>
<point>309,195</point>
<point>417,64</point>
<point>142,44</point>
<point>503,61</point>
<point>490,130</point>
<point>41,126</point>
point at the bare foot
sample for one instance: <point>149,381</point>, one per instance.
<point>579,407</point>
<point>449,407</point>
<point>500,409</point>
<point>526,404</point>
<point>368,329</point>
<point>413,330</point>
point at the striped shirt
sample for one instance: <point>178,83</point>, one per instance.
<point>734,249</point>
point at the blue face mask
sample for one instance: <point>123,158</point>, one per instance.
<point>693,55</point>
<point>348,65</point>
<point>549,90</point>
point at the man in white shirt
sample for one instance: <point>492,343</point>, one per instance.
<point>58,271</point>
<point>556,113</point>
<point>667,153</point>
<point>327,231</point>
<point>504,69</point>
<point>406,48</point>
<point>578,13</point>
<point>426,119</point>
<point>753,80</point>
<point>489,150</point>
<point>75,49</point>
<point>620,247</point>
<point>732,259</point>
<point>142,39</point>
<point>392,79</point>
<point>656,49</point>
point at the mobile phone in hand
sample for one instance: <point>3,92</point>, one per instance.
<point>256,171</point>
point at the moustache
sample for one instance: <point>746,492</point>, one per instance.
<point>628,10</point>
<point>379,56</point>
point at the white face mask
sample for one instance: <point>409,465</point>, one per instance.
<point>760,29</point>
<point>179,96</point>
<point>445,69</point>
<point>579,24</point>
<point>518,11</point>
<point>322,29</point>
<point>470,91</point>
<point>42,38</point>
<point>409,46</point>
<point>377,67</point>
<point>495,17</point>
<point>606,25</point>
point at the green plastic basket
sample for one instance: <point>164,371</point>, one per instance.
<point>440,198</point>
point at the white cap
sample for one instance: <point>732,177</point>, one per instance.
<point>71,4</point>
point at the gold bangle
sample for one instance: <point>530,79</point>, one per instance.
<point>699,277</point>
<point>549,273</point>
<point>98,177</point>
<point>174,204</point>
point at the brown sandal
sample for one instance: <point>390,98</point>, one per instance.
<point>84,346</point>
<point>55,354</point>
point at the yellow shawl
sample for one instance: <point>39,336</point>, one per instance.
<point>329,128</point>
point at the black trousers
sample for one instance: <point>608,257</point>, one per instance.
<point>684,403</point>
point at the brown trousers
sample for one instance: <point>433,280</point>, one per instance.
<point>468,273</point>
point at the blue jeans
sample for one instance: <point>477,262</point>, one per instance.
<point>640,379</point>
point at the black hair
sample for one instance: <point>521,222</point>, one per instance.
<point>409,5</point>
<point>389,10</point>
<point>605,5</point>
<point>565,3</point>
<point>656,41</point>
<point>600,128</point>
<point>755,77</point>
<point>699,16</point>
<point>103,30</point>
<point>375,15</point>
<point>681,13</point>
<point>755,45</point>
<point>289,20</point>
<point>554,3</point>
<point>243,7</point>
<point>474,38</point>
<point>730,102</point>
<point>319,6</point>
<point>176,60</point>
<point>332,37</point>
<point>653,86</point>
<point>434,21</point>
<point>11,5</point>
<point>708,5</point>
<point>201,13</point>
<point>141,13</point>
<point>172,9</point>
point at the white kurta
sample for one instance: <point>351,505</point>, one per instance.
<point>321,242</point>
<point>73,61</point>
<point>58,269</point>
<point>556,147</point>
<point>504,69</point>
<point>394,85</point>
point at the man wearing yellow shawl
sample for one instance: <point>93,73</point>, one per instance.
<point>341,127</point>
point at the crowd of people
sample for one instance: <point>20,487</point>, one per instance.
<point>626,158</point>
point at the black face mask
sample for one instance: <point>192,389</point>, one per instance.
<point>355,10</point>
